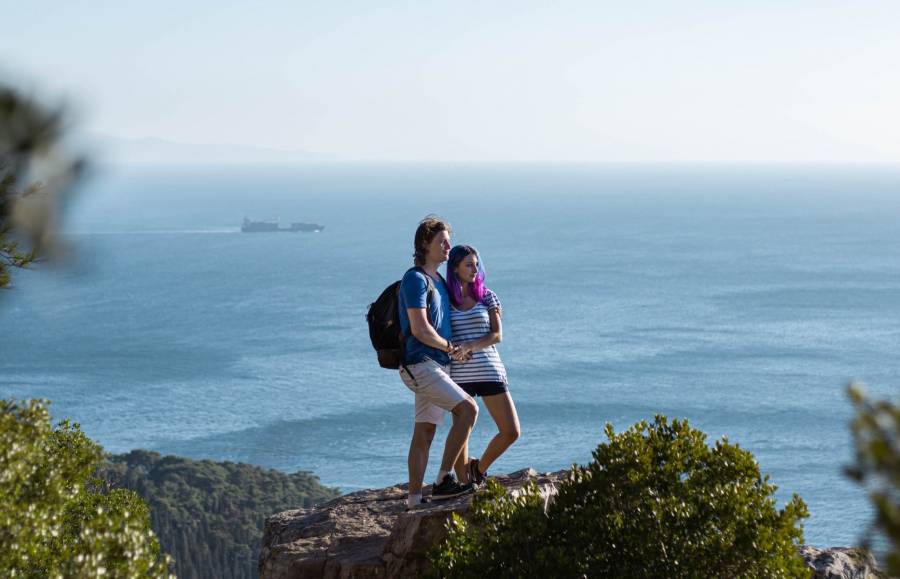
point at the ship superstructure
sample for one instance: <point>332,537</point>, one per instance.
<point>272,226</point>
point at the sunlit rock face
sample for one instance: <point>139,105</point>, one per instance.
<point>368,533</point>
<point>840,563</point>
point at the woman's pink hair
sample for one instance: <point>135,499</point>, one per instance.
<point>476,288</point>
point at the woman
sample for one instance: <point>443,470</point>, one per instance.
<point>475,320</point>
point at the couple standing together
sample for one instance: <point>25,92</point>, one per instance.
<point>449,356</point>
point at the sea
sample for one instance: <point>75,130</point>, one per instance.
<point>742,297</point>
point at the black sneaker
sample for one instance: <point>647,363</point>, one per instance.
<point>449,488</point>
<point>476,477</point>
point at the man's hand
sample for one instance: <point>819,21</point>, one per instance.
<point>461,352</point>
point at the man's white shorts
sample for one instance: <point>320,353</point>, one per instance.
<point>434,390</point>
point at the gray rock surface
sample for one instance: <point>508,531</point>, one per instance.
<point>367,533</point>
<point>840,563</point>
<point>370,534</point>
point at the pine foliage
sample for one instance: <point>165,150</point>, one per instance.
<point>36,177</point>
<point>210,515</point>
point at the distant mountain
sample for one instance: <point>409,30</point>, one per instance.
<point>151,151</point>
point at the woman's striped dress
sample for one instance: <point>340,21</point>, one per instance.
<point>484,365</point>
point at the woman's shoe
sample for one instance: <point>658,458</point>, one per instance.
<point>449,488</point>
<point>476,477</point>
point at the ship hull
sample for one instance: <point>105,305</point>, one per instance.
<point>272,227</point>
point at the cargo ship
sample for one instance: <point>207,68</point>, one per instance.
<point>249,226</point>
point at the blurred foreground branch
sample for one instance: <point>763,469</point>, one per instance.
<point>35,177</point>
<point>876,431</point>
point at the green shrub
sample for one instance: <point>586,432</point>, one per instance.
<point>55,521</point>
<point>876,432</point>
<point>656,501</point>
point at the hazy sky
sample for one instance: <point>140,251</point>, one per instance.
<point>645,80</point>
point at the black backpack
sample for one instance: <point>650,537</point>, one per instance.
<point>384,323</point>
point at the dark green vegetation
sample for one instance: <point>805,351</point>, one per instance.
<point>876,431</point>
<point>209,515</point>
<point>55,519</point>
<point>656,501</point>
<point>67,511</point>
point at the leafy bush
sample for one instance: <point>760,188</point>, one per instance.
<point>54,520</point>
<point>656,501</point>
<point>876,432</point>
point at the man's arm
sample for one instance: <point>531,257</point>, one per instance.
<point>425,332</point>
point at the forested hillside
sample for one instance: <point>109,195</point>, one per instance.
<point>209,515</point>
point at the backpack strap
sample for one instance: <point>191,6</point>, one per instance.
<point>430,289</point>
<point>429,284</point>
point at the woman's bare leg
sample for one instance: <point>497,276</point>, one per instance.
<point>464,415</point>
<point>503,411</point>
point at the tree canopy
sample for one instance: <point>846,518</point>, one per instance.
<point>210,515</point>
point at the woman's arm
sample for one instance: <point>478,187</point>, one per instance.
<point>495,336</point>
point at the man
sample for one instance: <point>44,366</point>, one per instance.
<point>426,364</point>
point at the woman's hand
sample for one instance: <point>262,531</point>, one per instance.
<point>463,352</point>
<point>455,352</point>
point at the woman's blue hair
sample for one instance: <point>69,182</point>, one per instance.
<point>476,289</point>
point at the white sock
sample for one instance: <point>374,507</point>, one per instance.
<point>413,500</point>
<point>441,475</point>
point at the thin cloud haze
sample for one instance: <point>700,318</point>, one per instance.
<point>597,81</point>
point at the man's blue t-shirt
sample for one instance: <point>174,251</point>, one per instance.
<point>414,294</point>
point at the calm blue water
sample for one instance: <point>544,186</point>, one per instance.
<point>741,298</point>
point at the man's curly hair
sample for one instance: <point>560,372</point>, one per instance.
<point>428,228</point>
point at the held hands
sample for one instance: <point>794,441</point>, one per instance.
<point>460,352</point>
